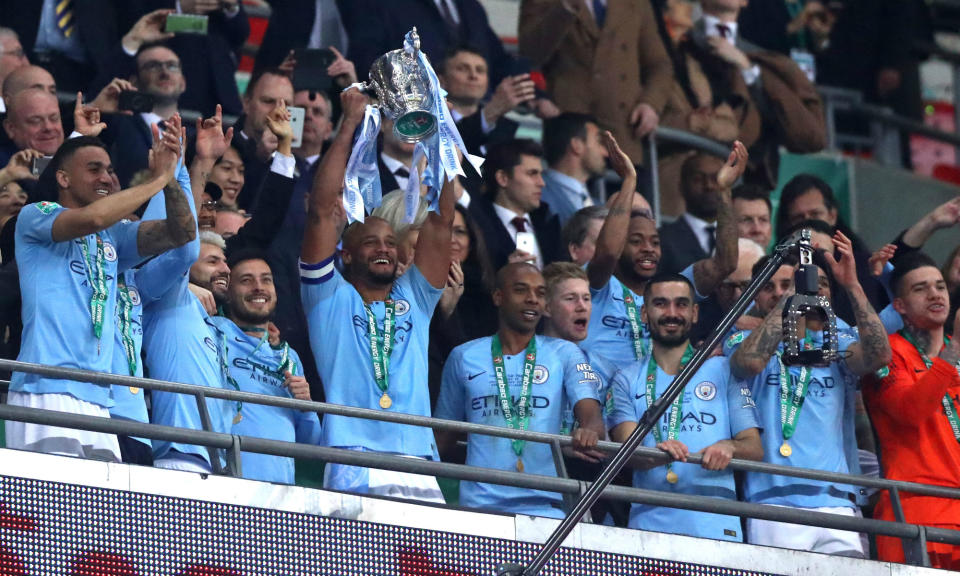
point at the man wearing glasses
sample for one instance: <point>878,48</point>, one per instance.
<point>159,79</point>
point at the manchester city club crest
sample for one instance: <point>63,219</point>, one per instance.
<point>706,391</point>
<point>134,295</point>
<point>109,252</point>
<point>402,307</point>
<point>540,374</point>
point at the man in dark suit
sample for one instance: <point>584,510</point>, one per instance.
<point>297,24</point>
<point>209,61</point>
<point>376,27</point>
<point>516,226</point>
<point>160,75</point>
<point>692,236</point>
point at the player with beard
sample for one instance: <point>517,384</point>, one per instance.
<point>257,366</point>
<point>179,342</point>
<point>714,417</point>
<point>369,330</point>
<point>521,381</point>
<point>913,404</point>
<point>627,256</point>
<point>807,412</point>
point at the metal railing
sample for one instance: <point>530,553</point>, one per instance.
<point>914,536</point>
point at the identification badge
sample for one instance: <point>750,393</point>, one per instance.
<point>806,62</point>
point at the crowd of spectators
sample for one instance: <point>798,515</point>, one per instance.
<point>137,243</point>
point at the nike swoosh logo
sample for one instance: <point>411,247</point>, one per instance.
<point>639,396</point>
<point>472,376</point>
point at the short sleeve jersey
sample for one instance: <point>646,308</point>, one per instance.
<point>715,407</point>
<point>820,438</point>
<point>256,367</point>
<point>56,293</point>
<point>609,334</point>
<point>469,392</point>
<point>337,321</point>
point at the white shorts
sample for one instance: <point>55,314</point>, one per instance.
<point>807,538</point>
<point>378,482</point>
<point>184,463</point>
<point>60,441</point>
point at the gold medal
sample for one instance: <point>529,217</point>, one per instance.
<point>385,401</point>
<point>785,449</point>
<point>520,465</point>
<point>238,418</point>
<point>672,477</point>
<point>134,390</point>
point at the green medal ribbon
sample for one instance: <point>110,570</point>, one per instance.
<point>223,354</point>
<point>381,353</point>
<point>673,426</point>
<point>948,406</point>
<point>520,419</point>
<point>640,346</point>
<point>285,362</point>
<point>792,403</point>
<point>124,309</point>
<point>93,265</point>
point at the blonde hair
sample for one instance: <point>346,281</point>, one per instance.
<point>393,208</point>
<point>558,272</point>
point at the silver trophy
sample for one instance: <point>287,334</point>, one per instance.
<point>403,91</point>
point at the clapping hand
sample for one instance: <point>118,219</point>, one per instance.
<point>880,258</point>
<point>735,166</point>
<point>619,160</point>
<point>167,149</point>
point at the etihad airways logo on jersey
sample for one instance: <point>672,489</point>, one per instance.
<point>490,405</point>
<point>818,388</point>
<point>259,372</point>
<point>622,325</point>
<point>401,329</point>
<point>692,420</point>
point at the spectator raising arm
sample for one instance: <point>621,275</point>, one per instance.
<point>710,272</point>
<point>613,234</point>
<point>211,143</point>
<point>325,213</point>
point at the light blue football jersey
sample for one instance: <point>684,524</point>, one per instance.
<point>822,439</point>
<point>341,346</point>
<point>609,335</point>
<point>469,393</point>
<point>255,367</point>
<point>715,408</point>
<point>56,293</point>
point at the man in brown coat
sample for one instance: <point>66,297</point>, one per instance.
<point>788,102</point>
<point>601,57</point>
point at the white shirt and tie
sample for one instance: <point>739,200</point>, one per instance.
<point>514,223</point>
<point>706,232</point>
<point>714,27</point>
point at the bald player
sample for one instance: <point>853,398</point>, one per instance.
<point>368,329</point>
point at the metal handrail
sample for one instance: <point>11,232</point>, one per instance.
<point>644,453</point>
<point>475,474</point>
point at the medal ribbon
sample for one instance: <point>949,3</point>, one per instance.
<point>948,406</point>
<point>791,404</point>
<point>381,353</point>
<point>521,419</point>
<point>285,362</point>
<point>640,346</point>
<point>673,426</point>
<point>124,308</point>
<point>98,283</point>
<point>223,353</point>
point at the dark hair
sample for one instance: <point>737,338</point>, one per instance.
<point>506,156</point>
<point>259,74</point>
<point>575,230</point>
<point>150,46</point>
<point>814,225</point>
<point>665,277</point>
<point>559,131</point>
<point>453,51</point>
<point>244,254</point>
<point>752,192</point>
<point>477,262</point>
<point>70,147</point>
<point>797,187</point>
<point>906,264</point>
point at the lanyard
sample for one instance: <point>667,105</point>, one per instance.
<point>93,265</point>
<point>640,346</point>
<point>948,406</point>
<point>381,352</point>
<point>124,310</point>
<point>676,409</point>
<point>520,419</point>
<point>791,403</point>
<point>285,363</point>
